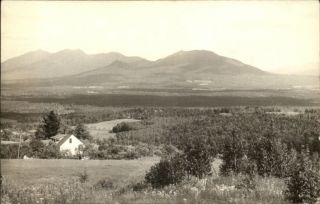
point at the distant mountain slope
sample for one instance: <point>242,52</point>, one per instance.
<point>197,69</point>
<point>181,66</point>
<point>206,62</point>
<point>23,60</point>
<point>41,64</point>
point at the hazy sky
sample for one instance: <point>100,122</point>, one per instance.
<point>272,35</point>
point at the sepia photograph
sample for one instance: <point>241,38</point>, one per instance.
<point>160,102</point>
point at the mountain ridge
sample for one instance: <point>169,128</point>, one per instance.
<point>59,64</point>
<point>195,69</point>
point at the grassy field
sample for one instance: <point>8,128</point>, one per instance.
<point>38,171</point>
<point>103,130</point>
<point>56,181</point>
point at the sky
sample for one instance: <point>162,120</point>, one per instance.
<point>277,36</point>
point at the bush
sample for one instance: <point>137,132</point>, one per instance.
<point>246,182</point>
<point>37,147</point>
<point>166,172</point>
<point>143,150</point>
<point>121,127</point>
<point>50,151</point>
<point>140,186</point>
<point>169,150</point>
<point>11,151</point>
<point>83,176</point>
<point>303,184</point>
<point>106,183</point>
<point>197,157</point>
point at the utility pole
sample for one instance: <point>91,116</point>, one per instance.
<point>19,144</point>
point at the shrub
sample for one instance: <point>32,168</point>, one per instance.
<point>166,172</point>
<point>50,151</point>
<point>197,157</point>
<point>105,183</point>
<point>11,151</point>
<point>123,126</point>
<point>143,150</point>
<point>246,182</point>
<point>83,176</point>
<point>140,186</point>
<point>36,147</point>
<point>169,150</point>
<point>303,184</point>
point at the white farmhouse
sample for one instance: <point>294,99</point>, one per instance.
<point>68,143</point>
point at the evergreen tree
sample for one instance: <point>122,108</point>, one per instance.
<point>49,127</point>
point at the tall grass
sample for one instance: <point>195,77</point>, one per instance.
<point>212,189</point>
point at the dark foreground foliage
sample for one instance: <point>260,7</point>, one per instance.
<point>303,185</point>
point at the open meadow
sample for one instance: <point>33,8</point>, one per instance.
<point>103,130</point>
<point>120,181</point>
<point>41,171</point>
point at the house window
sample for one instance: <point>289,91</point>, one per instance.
<point>70,140</point>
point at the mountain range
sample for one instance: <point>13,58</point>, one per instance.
<point>42,64</point>
<point>184,69</point>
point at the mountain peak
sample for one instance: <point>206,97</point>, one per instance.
<point>195,52</point>
<point>70,51</point>
<point>189,57</point>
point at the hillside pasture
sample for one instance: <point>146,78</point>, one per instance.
<point>103,130</point>
<point>37,171</point>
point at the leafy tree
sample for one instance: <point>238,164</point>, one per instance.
<point>81,132</point>
<point>50,151</point>
<point>233,152</point>
<point>36,147</point>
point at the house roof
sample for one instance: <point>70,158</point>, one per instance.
<point>58,136</point>
<point>64,139</point>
